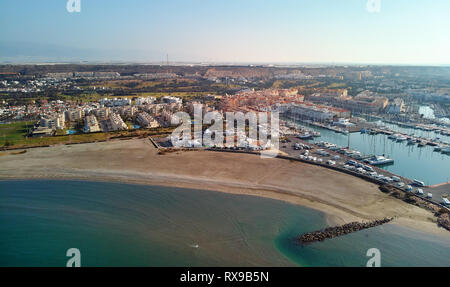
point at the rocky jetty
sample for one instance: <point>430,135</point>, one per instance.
<point>332,232</point>
<point>444,221</point>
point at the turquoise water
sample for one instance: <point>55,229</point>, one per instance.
<point>399,247</point>
<point>133,225</point>
<point>411,161</point>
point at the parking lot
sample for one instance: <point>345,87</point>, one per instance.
<point>315,153</point>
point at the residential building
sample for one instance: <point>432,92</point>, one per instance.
<point>91,124</point>
<point>146,121</point>
<point>115,123</point>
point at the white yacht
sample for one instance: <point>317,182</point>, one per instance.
<point>401,138</point>
<point>379,160</point>
<point>305,136</point>
<point>393,136</point>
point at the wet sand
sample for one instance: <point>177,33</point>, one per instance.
<point>342,197</point>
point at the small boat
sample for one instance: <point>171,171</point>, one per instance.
<point>392,137</point>
<point>422,144</point>
<point>445,150</point>
<point>437,148</point>
<point>363,131</point>
<point>305,136</point>
<point>401,138</point>
<point>379,160</point>
<point>411,141</point>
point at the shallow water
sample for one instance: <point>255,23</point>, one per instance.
<point>133,225</point>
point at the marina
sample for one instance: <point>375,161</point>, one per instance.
<point>412,158</point>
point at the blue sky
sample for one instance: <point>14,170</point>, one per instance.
<point>322,31</point>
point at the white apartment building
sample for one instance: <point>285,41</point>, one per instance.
<point>127,111</point>
<point>115,123</point>
<point>103,113</point>
<point>91,124</point>
<point>171,100</point>
<point>115,102</point>
<point>146,121</point>
<point>74,115</point>
<point>145,101</point>
<point>54,122</point>
<point>311,112</point>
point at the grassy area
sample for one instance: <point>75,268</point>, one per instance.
<point>337,85</point>
<point>18,140</point>
<point>95,97</point>
<point>14,132</point>
<point>85,97</point>
<point>183,95</point>
<point>14,136</point>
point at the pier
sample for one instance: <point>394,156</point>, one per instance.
<point>418,140</point>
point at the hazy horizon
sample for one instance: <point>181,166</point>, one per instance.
<point>287,32</point>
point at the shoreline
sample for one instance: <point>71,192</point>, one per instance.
<point>333,216</point>
<point>342,198</point>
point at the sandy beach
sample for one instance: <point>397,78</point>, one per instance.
<point>342,197</point>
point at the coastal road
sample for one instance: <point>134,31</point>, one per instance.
<point>439,192</point>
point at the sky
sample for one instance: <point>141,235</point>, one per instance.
<point>413,32</point>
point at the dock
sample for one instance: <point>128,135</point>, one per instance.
<point>425,141</point>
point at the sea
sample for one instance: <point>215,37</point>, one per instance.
<point>113,224</point>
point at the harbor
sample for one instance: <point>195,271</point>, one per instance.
<point>372,169</point>
<point>416,161</point>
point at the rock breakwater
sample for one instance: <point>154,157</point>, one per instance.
<point>332,232</point>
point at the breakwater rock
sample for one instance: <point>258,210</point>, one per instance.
<point>332,232</point>
<point>444,221</point>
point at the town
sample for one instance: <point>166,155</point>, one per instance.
<point>89,106</point>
